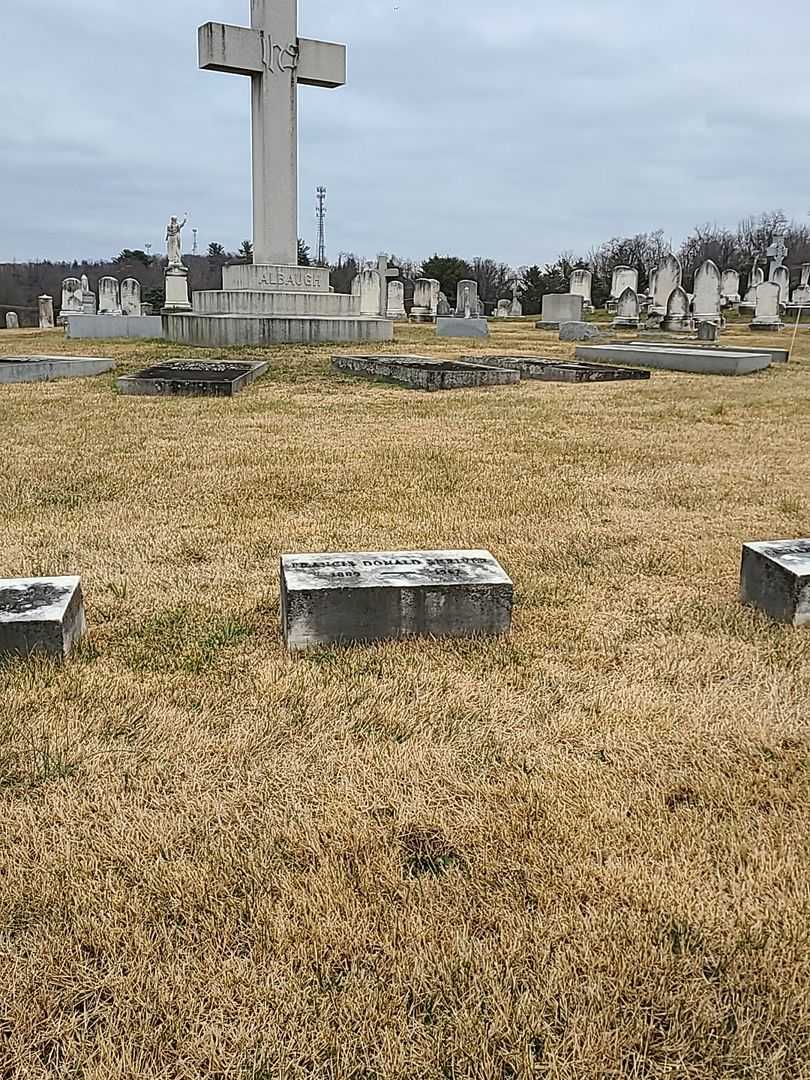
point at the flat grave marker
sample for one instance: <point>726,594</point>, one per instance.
<point>694,361</point>
<point>775,577</point>
<point>424,372</point>
<point>369,596</point>
<point>41,615</point>
<point>193,378</point>
<point>28,369</point>
<point>777,356</point>
<point>550,370</point>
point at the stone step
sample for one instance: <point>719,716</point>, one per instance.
<point>244,302</point>
<point>213,331</point>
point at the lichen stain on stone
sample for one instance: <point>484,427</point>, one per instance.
<point>21,601</point>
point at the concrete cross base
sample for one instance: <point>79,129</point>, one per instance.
<point>215,331</point>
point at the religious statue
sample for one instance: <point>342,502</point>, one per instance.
<point>174,243</point>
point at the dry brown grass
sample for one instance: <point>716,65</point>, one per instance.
<point>578,854</point>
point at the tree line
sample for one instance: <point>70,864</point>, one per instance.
<point>737,249</point>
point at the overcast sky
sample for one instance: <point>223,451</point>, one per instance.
<point>514,129</point>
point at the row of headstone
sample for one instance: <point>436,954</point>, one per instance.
<point>429,302</point>
<point>114,298</point>
<point>432,594</point>
<point>324,600</point>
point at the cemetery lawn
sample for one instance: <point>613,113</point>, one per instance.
<point>578,854</point>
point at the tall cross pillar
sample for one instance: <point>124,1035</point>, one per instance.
<point>277,60</point>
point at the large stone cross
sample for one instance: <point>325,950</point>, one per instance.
<point>276,60</point>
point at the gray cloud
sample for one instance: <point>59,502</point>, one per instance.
<point>514,129</point>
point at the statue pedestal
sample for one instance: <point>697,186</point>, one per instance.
<point>177,300</point>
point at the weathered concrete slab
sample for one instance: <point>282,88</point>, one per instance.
<point>379,595</point>
<point>106,327</point>
<point>41,615</point>
<point>550,370</point>
<point>425,372</point>
<point>775,577</point>
<point>777,356</point>
<point>670,358</point>
<point>452,327</point>
<point>193,378</point>
<point>26,369</point>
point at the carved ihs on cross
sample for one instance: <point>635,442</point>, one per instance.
<point>277,61</point>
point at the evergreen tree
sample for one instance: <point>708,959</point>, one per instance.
<point>449,271</point>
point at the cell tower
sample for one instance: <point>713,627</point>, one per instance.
<point>320,212</point>
<point>194,249</point>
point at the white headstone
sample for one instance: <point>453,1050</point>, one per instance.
<point>781,277</point>
<point>667,279</point>
<point>425,299</point>
<point>677,319</point>
<point>767,315</point>
<point>801,295</point>
<point>627,310</point>
<point>467,300</point>
<point>109,296</point>
<point>71,297</point>
<point>757,276</point>
<point>707,299</point>
<point>277,61</point>
<point>805,274</point>
<point>368,286</point>
<point>653,279</point>
<point>504,309</point>
<point>730,286</point>
<point>12,321</point>
<point>396,300</point>
<point>45,312</point>
<point>624,277</point>
<point>516,310</point>
<point>581,284</point>
<point>131,297</point>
